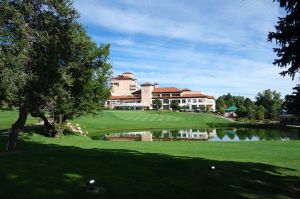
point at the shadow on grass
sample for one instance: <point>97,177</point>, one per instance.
<point>52,171</point>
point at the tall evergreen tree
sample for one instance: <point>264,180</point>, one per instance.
<point>292,102</point>
<point>287,36</point>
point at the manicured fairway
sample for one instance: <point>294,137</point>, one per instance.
<point>7,118</point>
<point>108,121</point>
<point>44,167</point>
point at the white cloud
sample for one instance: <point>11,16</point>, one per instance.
<point>229,22</point>
<point>214,46</point>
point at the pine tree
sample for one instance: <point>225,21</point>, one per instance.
<point>287,36</point>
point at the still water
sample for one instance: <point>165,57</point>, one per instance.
<point>222,134</point>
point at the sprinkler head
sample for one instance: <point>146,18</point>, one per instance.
<point>90,182</point>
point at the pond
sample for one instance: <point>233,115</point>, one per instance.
<point>220,134</point>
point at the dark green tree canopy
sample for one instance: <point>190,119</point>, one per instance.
<point>287,36</point>
<point>48,63</point>
<point>292,101</point>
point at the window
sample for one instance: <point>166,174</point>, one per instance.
<point>188,100</point>
<point>166,101</point>
<point>194,106</point>
<point>194,100</point>
<point>176,94</point>
<point>132,87</point>
<point>183,101</point>
<point>166,94</point>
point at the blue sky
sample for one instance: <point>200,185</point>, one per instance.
<point>216,46</point>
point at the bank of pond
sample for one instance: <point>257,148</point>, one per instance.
<point>211,134</point>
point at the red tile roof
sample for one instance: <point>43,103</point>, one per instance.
<point>146,84</point>
<point>186,89</point>
<point>166,90</point>
<point>127,73</point>
<point>123,97</point>
<point>122,77</point>
<point>194,95</point>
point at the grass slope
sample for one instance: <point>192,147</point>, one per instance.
<point>108,121</point>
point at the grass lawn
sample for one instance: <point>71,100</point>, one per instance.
<point>44,167</point>
<point>109,121</point>
<point>7,118</point>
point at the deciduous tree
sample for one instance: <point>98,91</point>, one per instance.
<point>49,64</point>
<point>271,102</point>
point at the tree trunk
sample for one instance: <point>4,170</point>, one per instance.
<point>46,122</point>
<point>59,125</point>
<point>16,128</point>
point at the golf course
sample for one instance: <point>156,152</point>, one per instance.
<point>45,167</point>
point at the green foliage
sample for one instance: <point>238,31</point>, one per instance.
<point>242,111</point>
<point>287,36</point>
<point>202,108</point>
<point>248,103</point>
<point>228,100</point>
<point>260,113</point>
<point>271,102</point>
<point>48,62</point>
<point>184,107</point>
<point>250,112</point>
<point>156,104</point>
<point>246,107</point>
<point>292,102</point>
<point>174,105</point>
<point>220,103</point>
<point>273,112</point>
<point>222,111</point>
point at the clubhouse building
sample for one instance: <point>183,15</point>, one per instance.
<point>127,94</point>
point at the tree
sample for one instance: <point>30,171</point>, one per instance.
<point>229,100</point>
<point>87,91</point>
<point>220,103</point>
<point>156,104</point>
<point>222,111</point>
<point>292,101</point>
<point>49,64</point>
<point>260,113</point>
<point>248,103</point>
<point>270,100</point>
<point>202,108</point>
<point>174,105</point>
<point>251,112</point>
<point>238,101</point>
<point>273,112</point>
<point>287,36</point>
<point>250,108</point>
<point>242,111</point>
